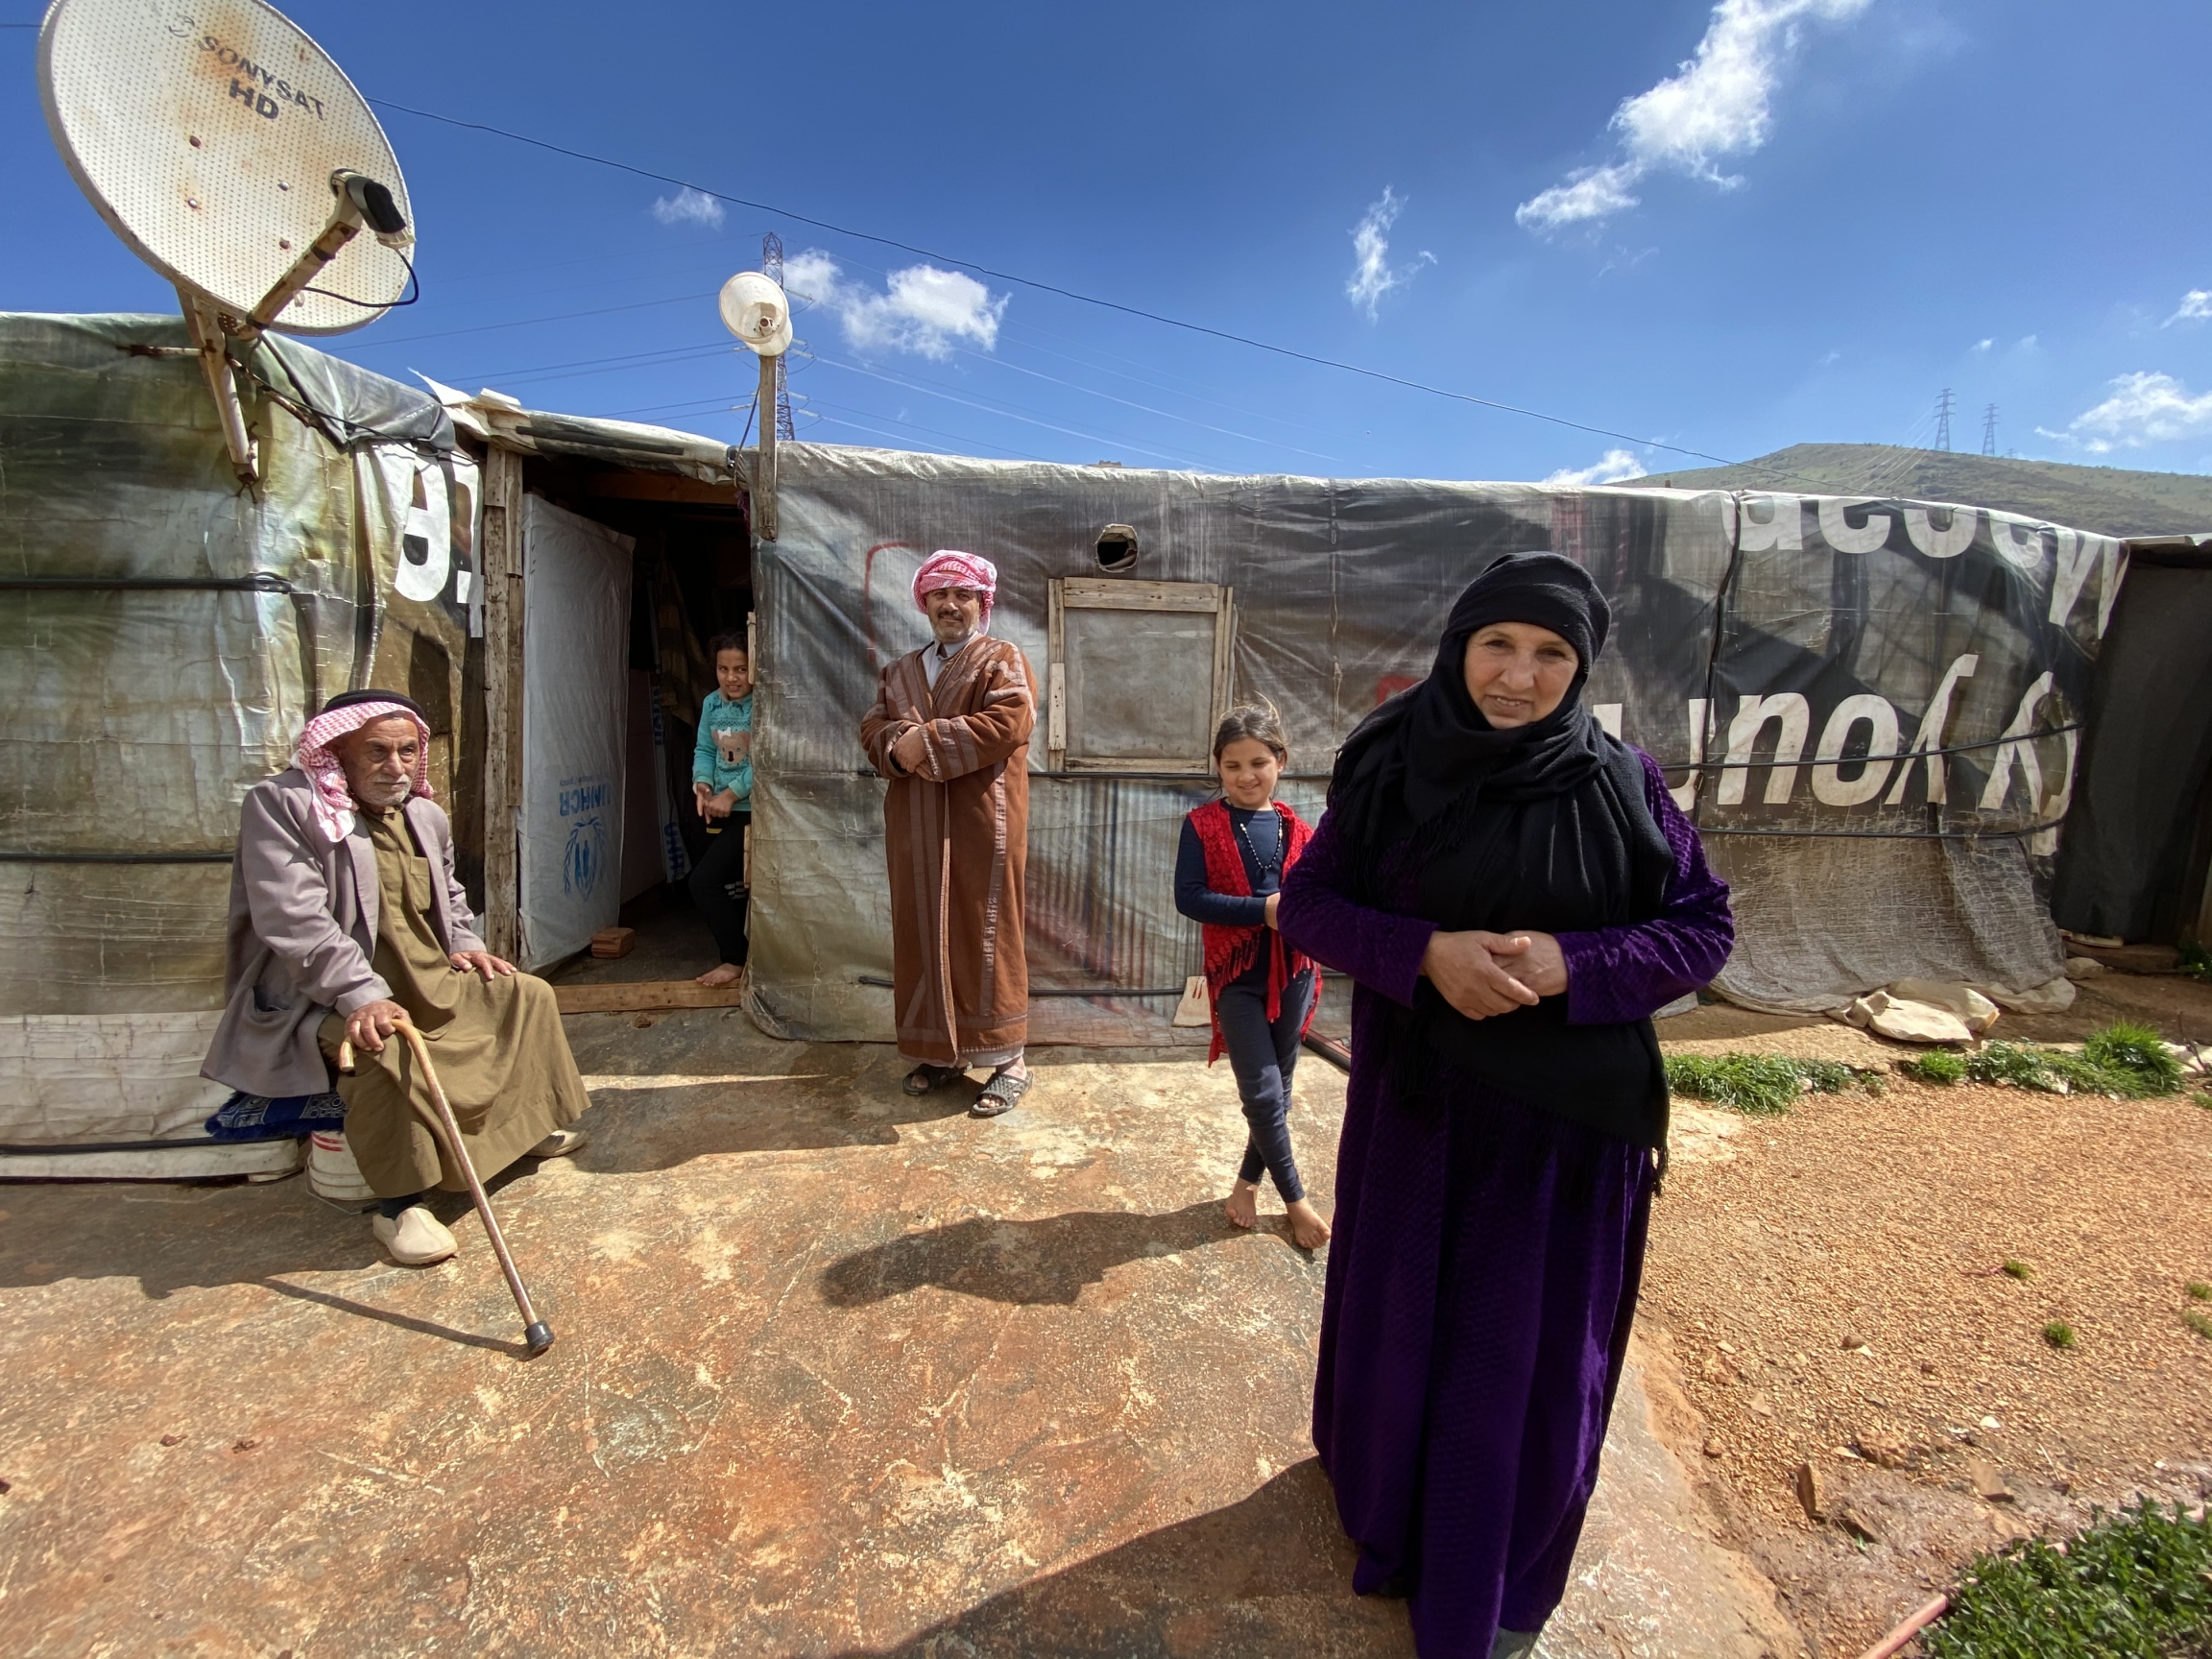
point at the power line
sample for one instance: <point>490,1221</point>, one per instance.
<point>1943,422</point>
<point>1055,288</point>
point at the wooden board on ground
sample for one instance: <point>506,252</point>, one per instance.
<point>646,997</point>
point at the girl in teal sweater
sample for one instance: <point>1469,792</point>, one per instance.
<point>722,789</point>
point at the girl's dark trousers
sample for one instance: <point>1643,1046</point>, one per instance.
<point>1264,1053</point>
<point>711,878</point>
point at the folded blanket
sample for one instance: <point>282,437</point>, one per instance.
<point>255,1118</point>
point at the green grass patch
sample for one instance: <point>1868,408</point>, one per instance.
<point>2196,962</point>
<point>2018,1269</point>
<point>2199,1323</point>
<point>2058,1333</point>
<point>2199,1290</point>
<point>1938,1065</point>
<point>2124,1059</point>
<point>1760,1084</point>
<point>2136,1585</point>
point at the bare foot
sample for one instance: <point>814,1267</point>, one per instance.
<point>1243,1206</point>
<point>1307,1231</point>
<point>722,974</point>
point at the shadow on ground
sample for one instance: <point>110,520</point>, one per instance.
<point>1271,1575</point>
<point>1026,1262</point>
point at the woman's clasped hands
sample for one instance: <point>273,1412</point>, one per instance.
<point>1482,973</point>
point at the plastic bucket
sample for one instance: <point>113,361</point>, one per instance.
<point>332,1174</point>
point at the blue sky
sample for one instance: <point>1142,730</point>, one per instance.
<point>1726,229</point>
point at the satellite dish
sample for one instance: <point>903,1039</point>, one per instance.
<point>754,309</point>
<point>222,145</point>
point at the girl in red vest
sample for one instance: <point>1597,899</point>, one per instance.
<point>1228,876</point>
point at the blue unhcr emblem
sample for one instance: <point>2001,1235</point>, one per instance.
<point>585,860</point>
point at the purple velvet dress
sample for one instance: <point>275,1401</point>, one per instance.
<point>1484,1274</point>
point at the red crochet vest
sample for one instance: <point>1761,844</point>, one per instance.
<point>1231,950</point>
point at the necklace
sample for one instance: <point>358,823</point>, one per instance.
<point>1266,867</point>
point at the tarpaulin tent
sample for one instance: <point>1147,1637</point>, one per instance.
<point>2139,837</point>
<point>1872,707</point>
<point>164,631</point>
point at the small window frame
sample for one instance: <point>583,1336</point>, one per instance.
<point>1123,593</point>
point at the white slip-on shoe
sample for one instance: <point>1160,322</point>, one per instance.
<point>561,1143</point>
<point>415,1237</point>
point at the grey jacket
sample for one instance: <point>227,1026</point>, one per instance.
<point>303,934</point>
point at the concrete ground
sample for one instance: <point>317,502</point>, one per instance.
<point>837,1373</point>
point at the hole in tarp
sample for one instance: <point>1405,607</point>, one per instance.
<point>1117,547</point>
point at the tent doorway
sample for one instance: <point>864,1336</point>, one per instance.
<point>628,578</point>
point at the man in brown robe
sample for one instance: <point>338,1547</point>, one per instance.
<point>951,730</point>
<point>346,916</point>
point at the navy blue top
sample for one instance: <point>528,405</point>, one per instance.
<point>1259,844</point>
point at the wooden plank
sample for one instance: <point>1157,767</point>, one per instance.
<point>1100,593</point>
<point>764,456</point>
<point>646,997</point>
<point>502,694</point>
<point>1224,656</point>
<point>1105,763</point>
<point>1056,674</point>
<point>659,487</point>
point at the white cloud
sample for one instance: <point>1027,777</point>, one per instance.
<point>1613,467</point>
<point>1983,345</point>
<point>1716,105</point>
<point>1373,275</point>
<point>923,309</point>
<point>688,206</point>
<point>2142,410</point>
<point>2196,308</point>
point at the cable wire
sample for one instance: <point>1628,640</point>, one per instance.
<point>1055,288</point>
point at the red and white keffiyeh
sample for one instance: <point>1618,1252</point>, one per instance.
<point>333,800</point>
<point>948,567</point>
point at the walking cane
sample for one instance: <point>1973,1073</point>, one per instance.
<point>537,1334</point>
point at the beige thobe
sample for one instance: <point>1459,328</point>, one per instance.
<point>498,1047</point>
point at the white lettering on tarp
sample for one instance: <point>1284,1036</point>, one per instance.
<point>2017,542</point>
<point>426,540</point>
<point>1947,542</point>
<point>1929,742</point>
<point>1830,787</point>
<point>1794,718</point>
<point>2016,753</point>
<point>1836,528</point>
<point>1687,794</point>
<point>1781,527</point>
<point>2077,551</point>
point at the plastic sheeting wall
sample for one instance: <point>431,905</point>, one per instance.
<point>1806,652</point>
<point>575,725</point>
<point>139,715</point>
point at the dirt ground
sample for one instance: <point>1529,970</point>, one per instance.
<point>1827,1289</point>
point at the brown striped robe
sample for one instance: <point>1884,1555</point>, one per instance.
<point>956,834</point>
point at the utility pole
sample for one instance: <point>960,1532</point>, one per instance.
<point>772,267</point>
<point>1943,420</point>
<point>1989,431</point>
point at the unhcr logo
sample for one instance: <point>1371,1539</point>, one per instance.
<point>584,858</point>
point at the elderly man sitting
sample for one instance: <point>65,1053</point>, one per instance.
<point>346,916</point>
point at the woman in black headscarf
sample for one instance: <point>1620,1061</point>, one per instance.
<point>1514,893</point>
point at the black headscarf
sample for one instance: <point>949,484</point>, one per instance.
<point>1542,825</point>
